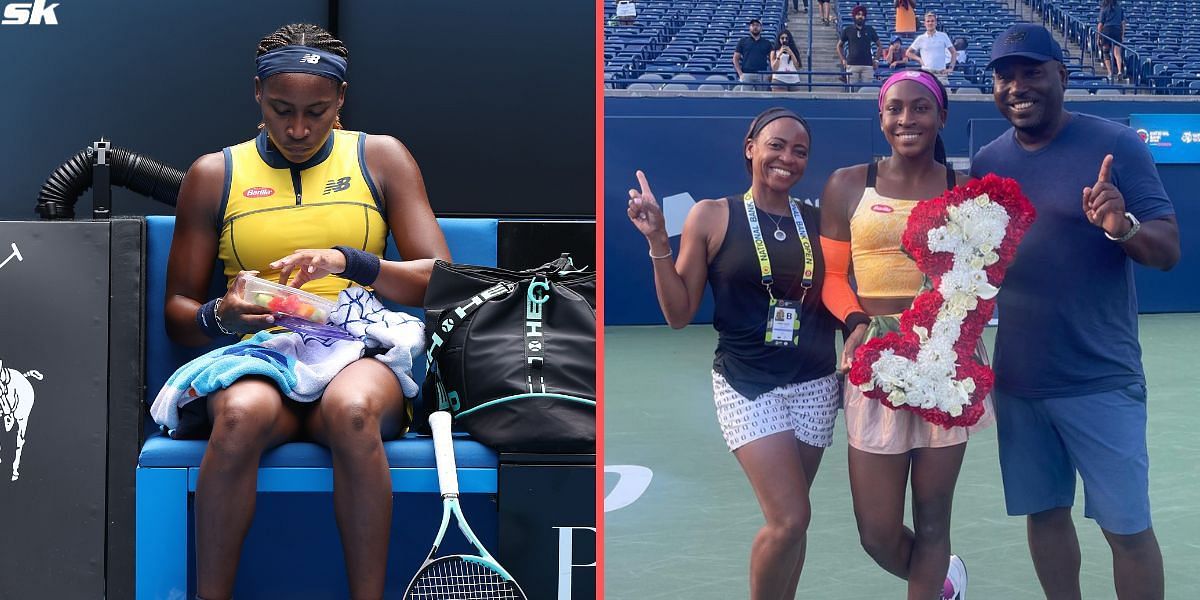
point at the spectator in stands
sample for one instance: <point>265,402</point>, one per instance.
<point>906,16</point>
<point>1112,28</point>
<point>894,54</point>
<point>785,63</point>
<point>1070,389</point>
<point>864,211</point>
<point>752,59</point>
<point>854,49</point>
<point>960,51</point>
<point>796,5</point>
<point>826,19</point>
<point>300,87</point>
<point>934,49</point>
<point>626,12</point>
<point>776,397</point>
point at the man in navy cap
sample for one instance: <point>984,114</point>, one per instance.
<point>1070,391</point>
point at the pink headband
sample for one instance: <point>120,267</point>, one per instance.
<point>917,76</point>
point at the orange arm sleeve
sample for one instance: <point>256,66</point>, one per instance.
<point>836,293</point>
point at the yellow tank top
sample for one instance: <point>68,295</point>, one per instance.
<point>272,207</point>
<point>881,269</point>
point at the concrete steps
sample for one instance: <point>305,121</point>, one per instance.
<point>824,43</point>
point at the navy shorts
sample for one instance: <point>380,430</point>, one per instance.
<point>1102,437</point>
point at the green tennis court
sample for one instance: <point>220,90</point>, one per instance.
<point>688,535</point>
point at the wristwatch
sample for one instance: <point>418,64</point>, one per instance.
<point>1135,226</point>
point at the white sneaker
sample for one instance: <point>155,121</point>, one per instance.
<point>955,587</point>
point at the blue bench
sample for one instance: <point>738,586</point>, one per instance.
<point>167,469</point>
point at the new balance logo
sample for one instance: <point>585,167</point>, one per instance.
<point>336,185</point>
<point>311,59</point>
<point>30,13</point>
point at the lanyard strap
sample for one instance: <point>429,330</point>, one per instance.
<point>760,246</point>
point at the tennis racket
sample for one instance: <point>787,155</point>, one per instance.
<point>460,576</point>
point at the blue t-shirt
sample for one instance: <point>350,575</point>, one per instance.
<point>756,54</point>
<point>1112,16</point>
<point>1068,307</point>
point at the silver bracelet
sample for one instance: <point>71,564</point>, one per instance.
<point>667,255</point>
<point>217,317</point>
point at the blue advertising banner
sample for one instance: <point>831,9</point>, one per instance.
<point>1172,139</point>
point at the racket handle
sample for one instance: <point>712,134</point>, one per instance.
<point>443,451</point>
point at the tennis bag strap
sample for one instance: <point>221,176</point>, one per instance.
<point>451,319</point>
<point>539,293</point>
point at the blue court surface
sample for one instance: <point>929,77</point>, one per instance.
<point>688,533</point>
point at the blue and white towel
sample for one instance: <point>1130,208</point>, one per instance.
<point>301,365</point>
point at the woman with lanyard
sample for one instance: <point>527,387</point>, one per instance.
<point>864,213</point>
<point>774,385</point>
<point>308,202</point>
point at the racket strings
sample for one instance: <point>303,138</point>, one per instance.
<point>462,580</point>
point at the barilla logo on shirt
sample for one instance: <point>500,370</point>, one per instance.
<point>882,208</point>
<point>258,192</point>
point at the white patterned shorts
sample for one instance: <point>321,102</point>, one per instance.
<point>807,408</point>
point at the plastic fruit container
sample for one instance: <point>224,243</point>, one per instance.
<point>287,300</point>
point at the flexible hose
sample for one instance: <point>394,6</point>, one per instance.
<point>130,170</point>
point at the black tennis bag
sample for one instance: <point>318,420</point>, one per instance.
<point>512,355</point>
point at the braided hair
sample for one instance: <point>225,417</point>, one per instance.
<point>304,34</point>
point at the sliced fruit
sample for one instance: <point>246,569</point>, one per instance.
<point>291,304</point>
<point>305,310</point>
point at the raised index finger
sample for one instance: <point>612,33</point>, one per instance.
<point>641,177</point>
<point>1105,169</point>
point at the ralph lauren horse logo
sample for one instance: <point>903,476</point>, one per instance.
<point>16,402</point>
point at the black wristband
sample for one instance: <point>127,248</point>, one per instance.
<point>854,319</point>
<point>362,267</point>
<point>206,318</point>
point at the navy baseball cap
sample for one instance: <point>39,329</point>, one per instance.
<point>754,20</point>
<point>1026,40</point>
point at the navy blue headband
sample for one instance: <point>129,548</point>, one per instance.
<point>301,59</point>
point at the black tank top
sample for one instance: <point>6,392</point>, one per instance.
<point>740,312</point>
